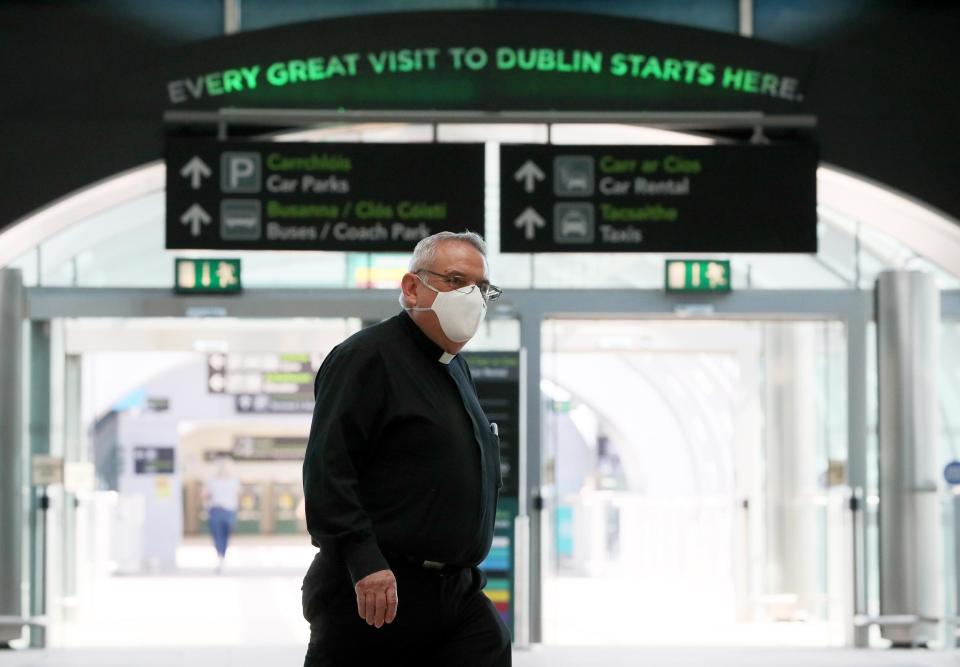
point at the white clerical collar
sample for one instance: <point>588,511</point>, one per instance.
<point>446,358</point>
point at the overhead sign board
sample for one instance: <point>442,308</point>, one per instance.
<point>251,374</point>
<point>320,196</point>
<point>697,275</point>
<point>207,276</point>
<point>490,60</point>
<point>737,198</point>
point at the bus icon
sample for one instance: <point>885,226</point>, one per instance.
<point>240,220</point>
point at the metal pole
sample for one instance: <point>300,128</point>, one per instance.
<point>521,533</point>
<point>11,448</point>
<point>746,18</point>
<point>857,321</point>
<point>39,433</point>
<point>856,258</point>
<point>231,16</point>
<point>911,553</point>
<point>686,120</point>
<point>530,326</point>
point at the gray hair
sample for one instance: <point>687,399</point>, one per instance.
<point>426,250</point>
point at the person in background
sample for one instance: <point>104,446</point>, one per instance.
<point>221,494</point>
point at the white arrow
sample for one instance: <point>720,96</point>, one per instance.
<point>530,173</point>
<point>195,216</point>
<point>195,170</point>
<point>529,219</point>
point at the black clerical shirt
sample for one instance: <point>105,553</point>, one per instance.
<point>401,461</point>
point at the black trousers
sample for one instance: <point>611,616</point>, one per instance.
<point>443,619</point>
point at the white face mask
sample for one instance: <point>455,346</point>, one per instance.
<point>460,314</point>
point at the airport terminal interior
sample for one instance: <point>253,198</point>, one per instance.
<point>725,365</point>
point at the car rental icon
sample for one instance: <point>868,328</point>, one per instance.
<point>573,175</point>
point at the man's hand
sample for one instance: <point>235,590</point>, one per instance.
<point>377,598</point>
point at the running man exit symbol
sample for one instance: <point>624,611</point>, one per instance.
<point>692,275</point>
<point>227,274</point>
<point>717,275</point>
<point>207,276</point>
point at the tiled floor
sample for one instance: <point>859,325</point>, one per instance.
<point>580,656</point>
<point>250,616</point>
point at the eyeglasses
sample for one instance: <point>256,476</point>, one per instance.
<point>457,282</point>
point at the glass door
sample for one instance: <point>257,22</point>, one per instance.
<point>694,482</point>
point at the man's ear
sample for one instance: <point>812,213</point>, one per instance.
<point>409,286</point>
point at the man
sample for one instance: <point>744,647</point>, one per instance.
<point>221,494</point>
<point>401,478</point>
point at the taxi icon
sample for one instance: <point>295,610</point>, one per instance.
<point>573,222</point>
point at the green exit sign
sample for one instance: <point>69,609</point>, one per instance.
<point>698,275</point>
<point>207,276</point>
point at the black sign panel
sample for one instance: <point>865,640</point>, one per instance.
<point>302,403</point>
<point>153,460</point>
<point>319,196</point>
<point>266,373</point>
<point>497,376</point>
<point>269,448</point>
<point>740,198</point>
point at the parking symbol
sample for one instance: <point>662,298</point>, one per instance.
<point>573,222</point>
<point>240,172</point>
<point>240,220</point>
<point>573,175</point>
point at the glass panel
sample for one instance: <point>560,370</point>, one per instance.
<point>950,451</point>
<point>176,20</point>
<point>151,419</point>
<point>710,14</point>
<point>27,263</point>
<point>950,391</point>
<point>871,510</point>
<point>796,21</point>
<point>694,470</point>
<point>256,14</point>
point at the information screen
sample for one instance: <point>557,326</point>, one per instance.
<point>497,376</point>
